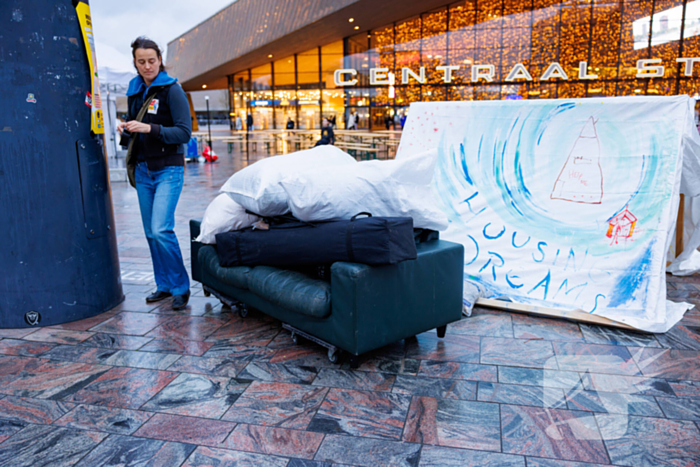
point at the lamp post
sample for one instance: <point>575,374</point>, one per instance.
<point>206,98</point>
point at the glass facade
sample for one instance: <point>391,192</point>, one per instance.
<point>481,49</point>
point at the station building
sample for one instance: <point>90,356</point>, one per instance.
<point>306,59</point>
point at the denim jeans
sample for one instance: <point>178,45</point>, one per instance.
<point>158,194</point>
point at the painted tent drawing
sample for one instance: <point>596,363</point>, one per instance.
<point>568,204</point>
<point>581,178</point>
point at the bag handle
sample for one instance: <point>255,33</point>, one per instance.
<point>368,214</point>
<point>348,234</point>
<point>138,118</point>
<point>130,149</point>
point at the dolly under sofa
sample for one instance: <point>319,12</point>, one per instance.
<point>360,309</point>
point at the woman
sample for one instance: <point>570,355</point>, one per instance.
<point>160,126</point>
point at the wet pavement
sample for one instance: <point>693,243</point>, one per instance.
<point>143,385</point>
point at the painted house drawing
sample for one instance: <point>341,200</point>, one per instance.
<point>621,226</point>
<point>581,178</point>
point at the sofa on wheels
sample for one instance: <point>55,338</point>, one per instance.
<point>359,308</point>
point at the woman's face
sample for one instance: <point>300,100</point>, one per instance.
<point>147,63</point>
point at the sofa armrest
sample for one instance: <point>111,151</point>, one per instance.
<point>195,226</point>
<point>388,303</point>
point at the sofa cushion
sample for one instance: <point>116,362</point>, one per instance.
<point>291,290</point>
<point>235,276</point>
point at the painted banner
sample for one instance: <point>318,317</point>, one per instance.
<point>92,97</point>
<point>567,204</point>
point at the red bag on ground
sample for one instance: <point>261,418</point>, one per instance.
<point>209,155</point>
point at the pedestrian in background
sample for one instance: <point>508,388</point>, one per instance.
<point>159,126</point>
<point>351,121</point>
<point>327,135</point>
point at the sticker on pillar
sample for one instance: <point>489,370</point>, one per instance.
<point>94,100</point>
<point>88,99</point>
<point>153,107</point>
<point>32,318</point>
<point>31,99</point>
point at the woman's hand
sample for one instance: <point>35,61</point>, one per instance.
<point>138,127</point>
<point>120,127</point>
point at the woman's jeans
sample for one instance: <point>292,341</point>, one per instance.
<point>158,194</point>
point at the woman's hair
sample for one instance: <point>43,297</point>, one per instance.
<point>144,42</point>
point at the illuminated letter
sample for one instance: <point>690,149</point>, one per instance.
<point>689,61</point>
<point>447,78</point>
<point>518,72</point>
<point>554,70</point>
<point>338,77</point>
<point>405,71</point>
<point>644,70</point>
<point>379,76</point>
<point>583,71</point>
<point>483,71</point>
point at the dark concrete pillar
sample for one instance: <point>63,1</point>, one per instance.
<point>58,252</point>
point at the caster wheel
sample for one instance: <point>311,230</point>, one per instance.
<point>333,355</point>
<point>206,293</point>
<point>243,310</point>
<point>295,337</point>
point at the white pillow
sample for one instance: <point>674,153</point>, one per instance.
<point>394,188</point>
<point>257,187</point>
<point>223,215</point>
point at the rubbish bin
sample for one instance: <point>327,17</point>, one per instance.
<point>192,153</point>
<point>58,257</point>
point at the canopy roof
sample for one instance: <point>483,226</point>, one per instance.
<point>246,32</point>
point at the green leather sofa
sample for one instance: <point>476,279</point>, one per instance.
<point>361,309</point>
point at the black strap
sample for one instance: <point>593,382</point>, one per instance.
<point>237,238</point>
<point>348,234</point>
<point>130,163</point>
<point>348,241</point>
<point>286,221</point>
<point>138,118</point>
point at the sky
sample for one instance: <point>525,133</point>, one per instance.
<point>118,23</point>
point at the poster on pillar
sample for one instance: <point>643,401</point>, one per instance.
<point>567,204</point>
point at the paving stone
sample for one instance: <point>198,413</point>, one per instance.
<point>188,430</point>
<point>367,452</point>
<point>143,384</point>
<point>117,451</point>
<point>646,441</point>
<point>48,445</point>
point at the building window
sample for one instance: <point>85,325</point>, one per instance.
<point>503,50</point>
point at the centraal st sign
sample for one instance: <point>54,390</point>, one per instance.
<point>648,68</point>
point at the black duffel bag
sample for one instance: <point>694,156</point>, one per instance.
<point>367,240</point>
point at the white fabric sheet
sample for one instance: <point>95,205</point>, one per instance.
<point>566,203</point>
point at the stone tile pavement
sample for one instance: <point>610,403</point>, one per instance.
<point>143,385</point>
